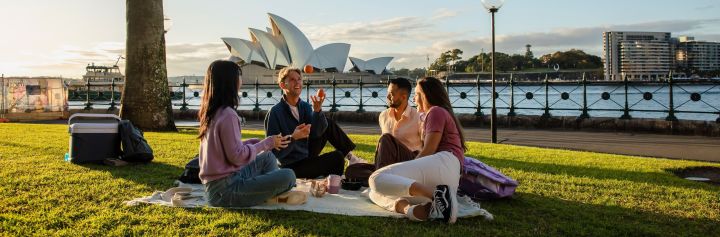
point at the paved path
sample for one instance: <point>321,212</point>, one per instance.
<point>651,145</point>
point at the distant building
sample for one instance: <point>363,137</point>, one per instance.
<point>44,97</point>
<point>700,55</point>
<point>283,45</point>
<point>637,55</point>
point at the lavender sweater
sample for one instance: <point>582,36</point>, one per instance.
<point>221,150</point>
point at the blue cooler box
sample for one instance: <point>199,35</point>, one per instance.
<point>93,141</point>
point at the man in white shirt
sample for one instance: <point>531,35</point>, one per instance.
<point>400,126</point>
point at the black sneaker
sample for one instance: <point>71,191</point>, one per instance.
<point>442,204</point>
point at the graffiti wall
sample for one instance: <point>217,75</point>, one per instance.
<point>32,95</point>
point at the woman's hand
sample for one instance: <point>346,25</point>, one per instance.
<point>280,141</point>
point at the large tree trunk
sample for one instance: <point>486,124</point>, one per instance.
<point>146,97</point>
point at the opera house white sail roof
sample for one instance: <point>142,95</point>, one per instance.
<point>285,45</point>
<point>375,65</point>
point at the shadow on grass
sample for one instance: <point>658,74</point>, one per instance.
<point>536,214</point>
<point>661,179</point>
<point>711,173</point>
<point>527,215</point>
<point>156,175</point>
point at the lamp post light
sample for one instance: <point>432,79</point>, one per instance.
<point>493,6</point>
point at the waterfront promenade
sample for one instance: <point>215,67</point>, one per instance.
<point>650,145</point>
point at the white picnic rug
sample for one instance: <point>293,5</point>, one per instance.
<point>351,203</point>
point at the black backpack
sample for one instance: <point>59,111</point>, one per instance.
<point>134,146</point>
<point>191,174</point>
<point>357,175</point>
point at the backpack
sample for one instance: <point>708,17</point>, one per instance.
<point>134,146</point>
<point>357,176</point>
<point>482,182</point>
<point>191,174</point>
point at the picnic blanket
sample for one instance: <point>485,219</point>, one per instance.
<point>346,202</point>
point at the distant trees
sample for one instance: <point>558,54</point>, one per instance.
<point>529,57</point>
<point>483,63</point>
<point>571,59</point>
<point>411,74</point>
<point>518,62</point>
<point>447,58</point>
<point>455,55</point>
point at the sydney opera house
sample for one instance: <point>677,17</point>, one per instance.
<point>285,45</point>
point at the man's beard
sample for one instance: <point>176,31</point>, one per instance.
<point>394,105</point>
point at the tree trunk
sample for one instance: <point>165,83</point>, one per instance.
<point>146,96</point>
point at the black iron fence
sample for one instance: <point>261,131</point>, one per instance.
<point>101,97</point>
<point>664,99</point>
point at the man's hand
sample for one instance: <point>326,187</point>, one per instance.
<point>302,131</point>
<point>317,100</point>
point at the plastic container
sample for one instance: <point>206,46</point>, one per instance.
<point>333,182</point>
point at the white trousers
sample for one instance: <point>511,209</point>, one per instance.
<point>392,183</point>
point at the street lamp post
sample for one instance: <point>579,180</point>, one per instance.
<point>493,6</point>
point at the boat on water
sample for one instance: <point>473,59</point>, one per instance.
<point>105,83</point>
<point>104,75</point>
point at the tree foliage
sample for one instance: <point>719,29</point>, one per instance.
<point>448,58</point>
<point>407,73</point>
<point>571,59</point>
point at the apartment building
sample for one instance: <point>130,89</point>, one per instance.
<point>700,55</point>
<point>637,55</point>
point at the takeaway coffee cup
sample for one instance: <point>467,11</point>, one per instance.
<point>333,182</point>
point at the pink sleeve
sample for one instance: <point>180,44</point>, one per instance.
<point>261,145</point>
<point>251,140</point>
<point>435,120</point>
<point>237,152</point>
<point>264,144</point>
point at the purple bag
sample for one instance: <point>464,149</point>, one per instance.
<point>482,182</point>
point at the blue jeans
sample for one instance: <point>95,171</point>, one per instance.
<point>252,185</point>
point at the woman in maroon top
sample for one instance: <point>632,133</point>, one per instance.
<point>426,187</point>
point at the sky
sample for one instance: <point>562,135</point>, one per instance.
<point>59,38</point>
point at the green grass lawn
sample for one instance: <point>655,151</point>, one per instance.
<point>562,193</point>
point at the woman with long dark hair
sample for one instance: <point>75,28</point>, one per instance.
<point>426,187</point>
<point>237,173</point>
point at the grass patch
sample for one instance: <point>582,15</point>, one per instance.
<point>562,193</point>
